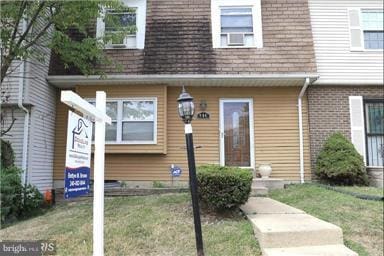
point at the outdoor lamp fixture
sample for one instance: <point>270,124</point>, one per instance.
<point>186,111</point>
<point>186,106</point>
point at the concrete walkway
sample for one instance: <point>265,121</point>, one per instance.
<point>285,230</point>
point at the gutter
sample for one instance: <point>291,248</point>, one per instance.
<point>22,83</point>
<point>299,107</point>
<point>68,81</point>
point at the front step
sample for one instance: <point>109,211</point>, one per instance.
<point>323,250</point>
<point>269,183</point>
<point>294,230</point>
<point>259,191</point>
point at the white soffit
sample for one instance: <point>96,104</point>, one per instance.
<point>187,80</point>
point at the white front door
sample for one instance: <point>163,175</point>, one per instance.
<point>236,133</point>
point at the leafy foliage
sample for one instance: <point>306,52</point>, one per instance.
<point>27,27</point>
<point>17,201</point>
<point>339,162</point>
<point>7,154</point>
<point>11,193</point>
<point>223,188</point>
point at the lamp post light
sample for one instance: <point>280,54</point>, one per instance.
<point>186,110</point>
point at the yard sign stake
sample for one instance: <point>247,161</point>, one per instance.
<point>98,113</point>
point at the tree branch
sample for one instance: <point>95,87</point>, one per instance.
<point>3,132</point>
<point>33,41</point>
<point>16,25</point>
<point>31,22</point>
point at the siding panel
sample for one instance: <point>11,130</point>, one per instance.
<point>335,60</point>
<point>275,112</point>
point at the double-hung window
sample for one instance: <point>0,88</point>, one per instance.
<point>134,121</point>
<point>123,28</point>
<point>374,127</point>
<point>138,120</point>
<point>117,24</point>
<point>236,26</point>
<point>366,29</point>
<point>373,29</point>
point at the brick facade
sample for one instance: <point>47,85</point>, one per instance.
<point>329,112</point>
<point>179,41</point>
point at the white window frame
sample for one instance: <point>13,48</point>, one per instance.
<point>217,5</point>
<point>362,27</point>
<point>119,121</point>
<point>141,9</point>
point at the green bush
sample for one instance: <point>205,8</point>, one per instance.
<point>17,201</point>
<point>223,188</point>
<point>11,194</point>
<point>339,162</point>
<point>7,154</point>
<point>32,201</point>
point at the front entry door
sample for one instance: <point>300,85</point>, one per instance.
<point>236,132</point>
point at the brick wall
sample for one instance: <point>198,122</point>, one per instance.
<point>179,41</point>
<point>329,112</point>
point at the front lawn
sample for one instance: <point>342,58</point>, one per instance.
<point>372,191</point>
<point>361,220</point>
<point>148,225</point>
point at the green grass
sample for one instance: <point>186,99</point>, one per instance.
<point>363,190</point>
<point>361,220</point>
<point>150,225</point>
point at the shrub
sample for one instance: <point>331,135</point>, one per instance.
<point>17,201</point>
<point>339,162</point>
<point>11,194</point>
<point>223,188</point>
<point>7,154</point>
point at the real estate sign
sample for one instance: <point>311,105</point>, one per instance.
<point>78,156</point>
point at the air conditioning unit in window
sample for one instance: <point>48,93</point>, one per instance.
<point>117,43</point>
<point>235,39</point>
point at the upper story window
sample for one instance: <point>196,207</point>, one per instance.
<point>134,121</point>
<point>366,29</point>
<point>373,29</point>
<point>236,24</point>
<point>115,22</point>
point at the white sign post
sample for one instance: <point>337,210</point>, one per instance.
<point>98,113</point>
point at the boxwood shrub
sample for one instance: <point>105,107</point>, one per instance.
<point>339,162</point>
<point>223,188</point>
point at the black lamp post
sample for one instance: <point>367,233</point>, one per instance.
<point>186,111</point>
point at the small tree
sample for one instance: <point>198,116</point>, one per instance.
<point>339,162</point>
<point>30,27</point>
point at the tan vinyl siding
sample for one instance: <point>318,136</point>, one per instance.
<point>276,133</point>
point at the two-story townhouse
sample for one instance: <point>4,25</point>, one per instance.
<point>247,63</point>
<point>349,95</point>
<point>29,101</point>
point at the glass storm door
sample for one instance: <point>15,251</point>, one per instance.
<point>235,129</point>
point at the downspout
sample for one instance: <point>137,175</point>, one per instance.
<point>26,119</point>
<point>299,106</point>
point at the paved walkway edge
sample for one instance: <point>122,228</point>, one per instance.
<point>284,230</point>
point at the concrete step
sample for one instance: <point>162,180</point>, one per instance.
<point>265,205</point>
<point>294,230</point>
<point>270,183</point>
<point>259,191</point>
<point>323,250</point>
